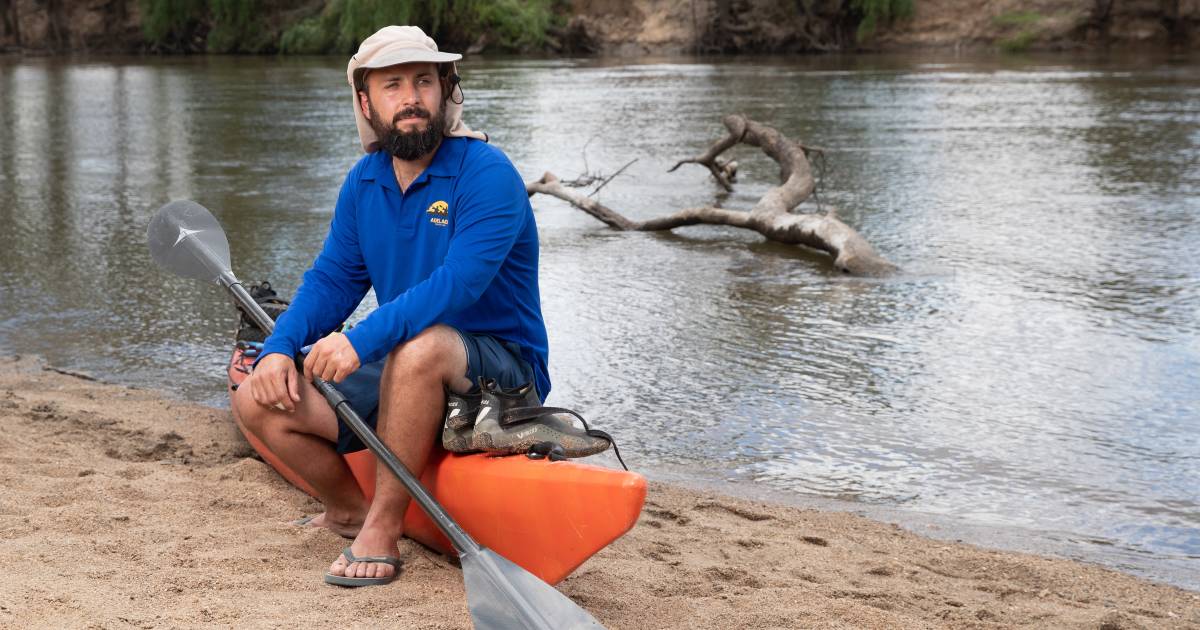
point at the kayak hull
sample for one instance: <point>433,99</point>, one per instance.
<point>548,517</point>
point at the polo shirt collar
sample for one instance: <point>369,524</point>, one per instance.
<point>448,159</point>
<point>446,163</point>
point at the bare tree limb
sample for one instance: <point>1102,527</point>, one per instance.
<point>772,216</point>
<point>550,185</point>
<point>709,158</point>
<point>611,177</point>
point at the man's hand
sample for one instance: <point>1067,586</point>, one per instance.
<point>332,359</point>
<point>273,383</point>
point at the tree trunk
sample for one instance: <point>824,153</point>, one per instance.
<point>12,25</point>
<point>57,31</point>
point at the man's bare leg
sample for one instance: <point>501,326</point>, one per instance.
<point>411,405</point>
<point>305,440</point>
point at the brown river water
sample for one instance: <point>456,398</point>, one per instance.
<point>1030,380</point>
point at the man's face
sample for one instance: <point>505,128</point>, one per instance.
<point>404,106</point>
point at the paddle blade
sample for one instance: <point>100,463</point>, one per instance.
<point>502,596</point>
<point>185,238</point>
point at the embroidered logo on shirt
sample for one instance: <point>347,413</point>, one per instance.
<point>438,210</point>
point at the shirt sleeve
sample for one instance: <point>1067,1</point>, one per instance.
<point>331,289</point>
<point>488,217</point>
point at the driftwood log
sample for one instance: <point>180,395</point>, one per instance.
<point>772,216</point>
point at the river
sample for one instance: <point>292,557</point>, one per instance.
<point>1030,380</point>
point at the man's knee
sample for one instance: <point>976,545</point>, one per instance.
<point>248,412</point>
<point>435,351</point>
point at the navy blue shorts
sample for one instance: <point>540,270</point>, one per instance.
<point>487,357</point>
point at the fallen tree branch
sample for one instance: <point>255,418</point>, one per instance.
<point>611,177</point>
<point>772,216</point>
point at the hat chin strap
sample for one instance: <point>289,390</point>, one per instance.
<point>455,84</point>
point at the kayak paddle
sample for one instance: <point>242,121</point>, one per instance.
<point>187,240</point>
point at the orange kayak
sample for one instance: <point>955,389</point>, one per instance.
<point>548,517</point>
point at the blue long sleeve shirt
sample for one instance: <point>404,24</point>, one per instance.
<point>459,247</point>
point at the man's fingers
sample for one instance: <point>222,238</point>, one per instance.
<point>256,390</point>
<point>265,389</point>
<point>319,359</point>
<point>270,395</point>
<point>292,386</point>
<point>333,369</point>
<point>341,373</point>
<point>309,359</point>
<point>283,396</point>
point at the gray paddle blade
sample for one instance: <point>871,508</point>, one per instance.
<point>185,238</point>
<point>503,596</point>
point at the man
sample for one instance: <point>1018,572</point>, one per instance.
<point>438,222</point>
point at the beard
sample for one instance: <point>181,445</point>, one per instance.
<point>409,145</point>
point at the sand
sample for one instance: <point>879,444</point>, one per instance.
<point>122,508</point>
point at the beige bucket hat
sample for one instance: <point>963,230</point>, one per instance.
<point>394,45</point>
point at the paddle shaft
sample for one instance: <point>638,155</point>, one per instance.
<point>462,542</point>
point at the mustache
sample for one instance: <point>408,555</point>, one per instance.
<point>411,112</point>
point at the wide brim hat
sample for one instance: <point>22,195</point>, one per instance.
<point>392,46</point>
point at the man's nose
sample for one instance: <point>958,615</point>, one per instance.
<point>409,94</point>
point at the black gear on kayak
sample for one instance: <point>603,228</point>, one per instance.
<point>514,421</point>
<point>269,300</point>
<point>459,428</point>
<point>555,452</point>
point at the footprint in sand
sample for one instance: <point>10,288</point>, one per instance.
<point>734,510</point>
<point>659,551</point>
<point>669,515</point>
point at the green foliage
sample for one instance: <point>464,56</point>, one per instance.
<point>171,23</point>
<point>876,12</point>
<point>1019,42</point>
<point>236,27</point>
<point>311,36</point>
<point>1017,18</point>
<point>341,25</point>
<point>517,25</point>
<point>358,19</point>
<point>1026,21</point>
<point>232,25</point>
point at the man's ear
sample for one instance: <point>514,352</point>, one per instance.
<point>364,104</point>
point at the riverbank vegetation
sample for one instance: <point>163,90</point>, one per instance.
<point>1024,28</point>
<point>601,27</point>
<point>879,12</point>
<point>337,26</point>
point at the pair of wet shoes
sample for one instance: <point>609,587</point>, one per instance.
<point>510,421</point>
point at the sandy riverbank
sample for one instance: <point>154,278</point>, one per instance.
<point>121,508</point>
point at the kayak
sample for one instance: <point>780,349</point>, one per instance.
<point>546,516</point>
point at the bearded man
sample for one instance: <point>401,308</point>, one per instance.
<point>438,222</point>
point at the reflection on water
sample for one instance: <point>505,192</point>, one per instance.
<point>1034,367</point>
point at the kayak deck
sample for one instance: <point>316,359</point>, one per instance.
<point>548,517</point>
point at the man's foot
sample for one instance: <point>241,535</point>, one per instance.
<point>346,528</point>
<point>368,546</point>
<point>341,580</point>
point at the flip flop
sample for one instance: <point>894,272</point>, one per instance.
<point>342,580</point>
